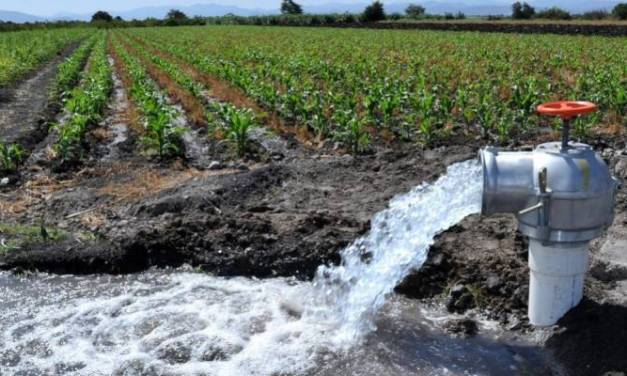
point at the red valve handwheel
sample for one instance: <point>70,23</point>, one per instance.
<point>566,109</point>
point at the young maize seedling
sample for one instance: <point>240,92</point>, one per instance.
<point>11,157</point>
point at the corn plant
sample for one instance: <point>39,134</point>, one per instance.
<point>240,123</point>
<point>69,72</point>
<point>11,157</point>
<point>583,124</point>
<point>352,132</point>
<point>70,135</point>
<point>418,81</point>
<point>23,51</point>
<point>84,104</point>
<point>161,134</point>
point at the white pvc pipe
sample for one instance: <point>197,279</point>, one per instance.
<point>556,283</point>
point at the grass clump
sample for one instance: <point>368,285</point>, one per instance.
<point>14,236</point>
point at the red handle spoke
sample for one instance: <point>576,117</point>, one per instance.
<point>566,109</point>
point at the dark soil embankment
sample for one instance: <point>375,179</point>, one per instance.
<point>609,30</point>
<point>284,218</point>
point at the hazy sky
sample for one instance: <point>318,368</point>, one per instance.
<point>51,7</point>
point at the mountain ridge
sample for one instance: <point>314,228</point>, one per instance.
<point>212,9</point>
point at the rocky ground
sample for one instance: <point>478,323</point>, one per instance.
<point>286,209</point>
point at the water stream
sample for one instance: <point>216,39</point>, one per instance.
<point>179,322</point>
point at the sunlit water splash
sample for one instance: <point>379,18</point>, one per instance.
<point>398,242</point>
<point>193,324</point>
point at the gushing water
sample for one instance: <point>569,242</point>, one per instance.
<point>190,323</point>
<point>398,242</point>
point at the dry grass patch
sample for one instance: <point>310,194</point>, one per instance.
<point>148,182</point>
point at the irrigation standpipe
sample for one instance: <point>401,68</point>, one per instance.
<point>563,196</point>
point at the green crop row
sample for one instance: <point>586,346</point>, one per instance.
<point>161,134</point>
<point>69,72</point>
<point>425,85</point>
<point>229,120</point>
<point>85,104</point>
<point>23,51</point>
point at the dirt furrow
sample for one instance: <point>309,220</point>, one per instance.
<point>23,115</point>
<point>114,139</point>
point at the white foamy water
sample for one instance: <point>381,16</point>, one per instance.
<point>186,323</point>
<point>398,242</point>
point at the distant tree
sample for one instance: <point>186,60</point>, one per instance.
<point>347,18</point>
<point>175,18</point>
<point>290,7</point>
<point>177,15</point>
<point>415,11</point>
<point>101,16</point>
<point>118,18</point>
<point>460,16</point>
<point>522,11</point>
<point>373,12</point>
<point>554,13</point>
<point>620,11</point>
<point>595,15</point>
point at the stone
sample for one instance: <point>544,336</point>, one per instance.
<point>493,282</point>
<point>466,327</point>
<point>215,165</point>
<point>457,290</point>
<point>4,182</point>
<point>460,299</point>
<point>620,170</point>
<point>609,263</point>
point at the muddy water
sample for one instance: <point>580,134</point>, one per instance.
<point>180,322</point>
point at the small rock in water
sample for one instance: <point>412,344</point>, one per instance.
<point>9,358</point>
<point>460,299</point>
<point>220,351</point>
<point>465,326</point>
<point>457,291</point>
<point>292,309</point>
<point>215,165</point>
<point>176,352</point>
<point>493,282</point>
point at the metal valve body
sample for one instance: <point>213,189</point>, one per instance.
<point>577,204</point>
<point>563,197</point>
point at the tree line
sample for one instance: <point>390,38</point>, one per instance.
<point>292,14</point>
